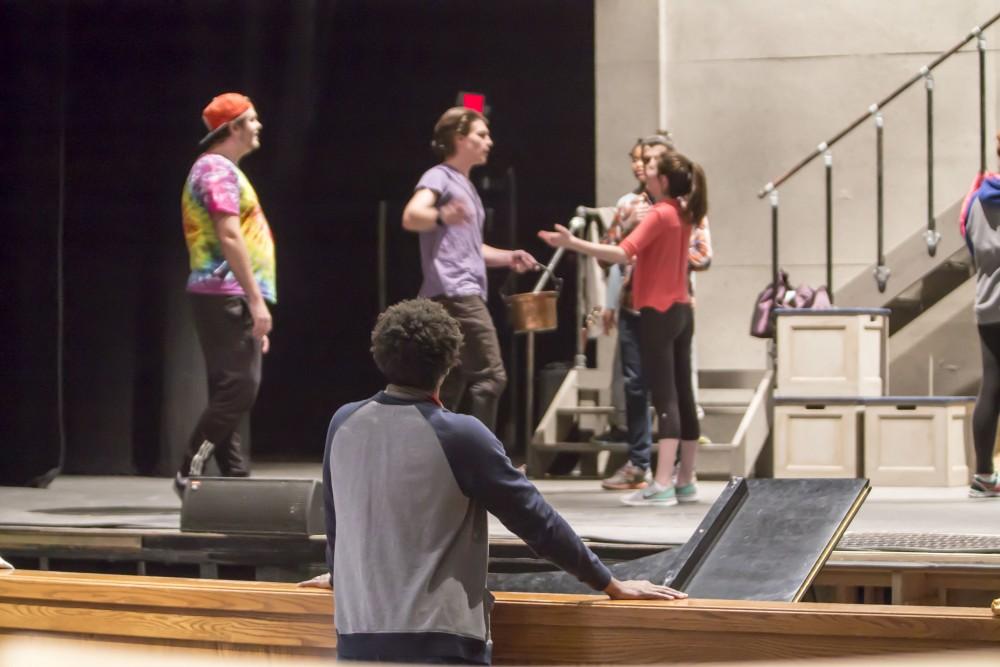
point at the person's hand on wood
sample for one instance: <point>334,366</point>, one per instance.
<point>638,589</point>
<point>319,581</point>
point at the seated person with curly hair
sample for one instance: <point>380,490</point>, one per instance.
<point>407,485</point>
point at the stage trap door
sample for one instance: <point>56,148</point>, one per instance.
<point>766,539</point>
<point>763,539</point>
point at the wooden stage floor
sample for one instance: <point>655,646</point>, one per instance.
<point>905,546</point>
<point>146,503</point>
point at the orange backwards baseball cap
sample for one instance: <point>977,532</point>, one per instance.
<point>222,109</point>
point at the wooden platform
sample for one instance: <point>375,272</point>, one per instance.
<point>280,619</point>
<point>129,525</point>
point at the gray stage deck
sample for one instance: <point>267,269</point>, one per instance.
<point>149,504</point>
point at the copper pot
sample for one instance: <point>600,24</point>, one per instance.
<point>533,311</point>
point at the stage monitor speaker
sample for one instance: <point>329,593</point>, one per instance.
<point>249,505</point>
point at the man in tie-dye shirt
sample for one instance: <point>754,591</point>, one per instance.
<point>232,279</point>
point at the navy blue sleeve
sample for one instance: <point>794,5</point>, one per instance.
<point>329,510</point>
<point>486,475</point>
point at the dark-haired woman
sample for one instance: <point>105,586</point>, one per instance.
<point>659,248</point>
<point>447,213</point>
<point>980,224</point>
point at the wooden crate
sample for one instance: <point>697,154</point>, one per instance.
<point>833,352</point>
<point>817,437</point>
<point>917,441</point>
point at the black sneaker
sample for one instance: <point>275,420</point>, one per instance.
<point>612,435</point>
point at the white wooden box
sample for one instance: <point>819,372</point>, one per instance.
<point>917,441</point>
<point>834,352</point>
<point>816,438</point>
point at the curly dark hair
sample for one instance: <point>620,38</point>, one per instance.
<point>415,343</point>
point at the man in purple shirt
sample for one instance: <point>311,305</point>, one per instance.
<point>446,211</point>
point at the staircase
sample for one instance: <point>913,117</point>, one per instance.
<point>736,402</point>
<point>737,412</point>
<point>932,343</point>
<point>932,329</point>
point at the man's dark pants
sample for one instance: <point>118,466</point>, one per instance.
<point>474,386</point>
<point>640,428</point>
<point>233,363</point>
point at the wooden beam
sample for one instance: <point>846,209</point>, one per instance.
<point>258,617</point>
<point>562,629</point>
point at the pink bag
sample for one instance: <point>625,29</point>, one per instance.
<point>762,322</point>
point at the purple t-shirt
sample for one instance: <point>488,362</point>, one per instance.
<point>451,256</point>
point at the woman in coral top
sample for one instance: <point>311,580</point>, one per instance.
<point>659,249</point>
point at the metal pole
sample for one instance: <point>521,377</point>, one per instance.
<point>580,360</point>
<point>774,243</point>
<point>547,271</point>
<point>61,244</point>
<point>514,384</point>
<point>881,270</point>
<point>932,236</point>
<point>982,103</point>
<point>529,392</point>
<point>575,224</point>
<point>383,212</point>
<point>828,162</point>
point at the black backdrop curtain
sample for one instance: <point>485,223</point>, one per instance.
<point>100,118</point>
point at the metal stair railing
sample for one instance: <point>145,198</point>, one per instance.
<point>932,236</point>
<point>578,225</point>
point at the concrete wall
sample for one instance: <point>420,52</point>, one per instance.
<point>749,87</point>
<point>627,87</point>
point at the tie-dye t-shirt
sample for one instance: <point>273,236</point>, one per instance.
<point>216,185</point>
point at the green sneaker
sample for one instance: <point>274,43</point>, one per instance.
<point>687,493</point>
<point>653,495</point>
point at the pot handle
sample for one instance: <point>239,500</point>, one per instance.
<point>507,286</point>
<point>547,270</point>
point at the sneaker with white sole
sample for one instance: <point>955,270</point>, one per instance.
<point>985,486</point>
<point>653,495</point>
<point>688,493</point>
<point>629,476</point>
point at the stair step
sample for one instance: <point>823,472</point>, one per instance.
<point>587,410</point>
<point>709,406</point>
<point>618,447</point>
<point>581,447</point>
<point>729,395</point>
<point>717,446</point>
<point>707,396</point>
